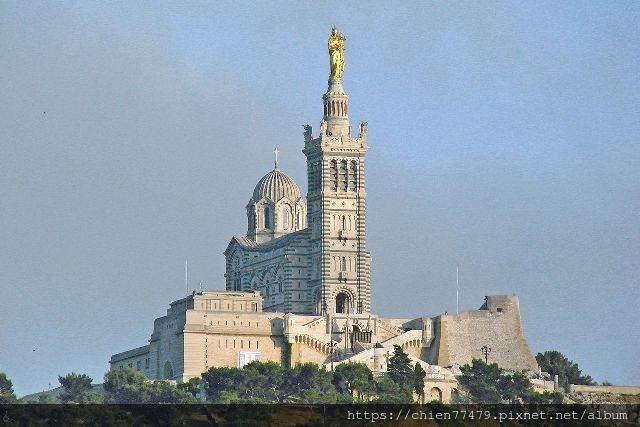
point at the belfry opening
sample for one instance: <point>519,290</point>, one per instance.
<point>343,302</point>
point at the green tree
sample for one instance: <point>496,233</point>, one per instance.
<point>154,392</point>
<point>513,386</point>
<point>481,381</point>
<point>388,391</point>
<point>418,380</point>
<point>123,385</point>
<point>192,387</point>
<point>555,363</point>
<point>308,383</point>
<point>76,388</point>
<point>488,383</point>
<point>400,371</point>
<point>46,398</point>
<point>265,380</point>
<point>354,379</point>
<point>6,390</point>
<point>129,386</point>
<point>223,385</point>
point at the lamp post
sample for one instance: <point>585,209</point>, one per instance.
<point>486,350</point>
<point>332,345</point>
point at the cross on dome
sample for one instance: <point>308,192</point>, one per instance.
<point>276,151</point>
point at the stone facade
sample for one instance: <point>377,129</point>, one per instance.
<point>204,330</point>
<point>324,268</point>
<point>230,329</point>
<point>341,278</point>
<point>279,270</point>
<point>298,285</point>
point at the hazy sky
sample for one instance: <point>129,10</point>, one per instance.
<point>504,140</point>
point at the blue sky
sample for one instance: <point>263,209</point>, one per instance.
<point>504,141</point>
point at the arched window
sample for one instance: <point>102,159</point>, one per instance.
<point>267,217</point>
<point>343,225</point>
<point>342,303</point>
<point>343,264</point>
<point>333,175</point>
<point>343,175</point>
<point>168,371</point>
<point>353,176</point>
<point>252,220</point>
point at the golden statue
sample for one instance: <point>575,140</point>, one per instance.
<point>336,54</point>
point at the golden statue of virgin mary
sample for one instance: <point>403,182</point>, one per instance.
<point>336,54</point>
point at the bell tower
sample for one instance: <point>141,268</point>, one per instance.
<point>340,276</point>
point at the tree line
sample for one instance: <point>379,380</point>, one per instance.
<point>270,382</point>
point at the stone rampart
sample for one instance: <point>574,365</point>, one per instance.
<point>601,389</point>
<point>496,326</point>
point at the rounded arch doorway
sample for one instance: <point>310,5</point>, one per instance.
<point>343,302</point>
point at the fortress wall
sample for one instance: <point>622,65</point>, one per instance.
<point>235,323</point>
<point>137,358</point>
<point>223,350</point>
<point>166,345</point>
<point>196,355</point>
<point>610,389</point>
<point>496,325</point>
<point>219,339</point>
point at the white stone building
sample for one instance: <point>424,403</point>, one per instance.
<point>298,284</point>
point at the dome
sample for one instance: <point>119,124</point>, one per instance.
<point>275,185</point>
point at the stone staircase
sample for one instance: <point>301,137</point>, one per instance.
<point>394,330</point>
<point>405,339</point>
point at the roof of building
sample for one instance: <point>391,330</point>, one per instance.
<point>275,185</point>
<point>251,245</point>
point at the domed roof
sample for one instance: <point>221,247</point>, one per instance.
<point>275,185</point>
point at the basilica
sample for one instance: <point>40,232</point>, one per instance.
<point>298,283</point>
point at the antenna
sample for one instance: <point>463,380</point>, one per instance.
<point>186,277</point>
<point>457,292</point>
